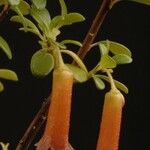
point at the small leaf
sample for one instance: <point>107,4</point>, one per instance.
<point>14,2</point>
<point>29,23</point>
<point>106,62</point>
<point>79,74</point>
<point>71,18</point>
<point>63,7</point>
<point>42,63</point>
<point>117,48</point>
<point>76,59</point>
<point>8,74</point>
<point>146,2</point>
<point>118,84</point>
<point>98,82</point>
<point>24,7</point>
<point>40,4</point>
<point>42,17</point>
<point>64,42</point>
<point>103,49</point>
<point>5,47</point>
<point>1,87</point>
<point>67,19</point>
<point>122,59</point>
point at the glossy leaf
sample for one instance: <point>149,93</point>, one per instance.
<point>29,24</point>
<point>5,47</point>
<point>79,74</point>
<point>64,42</point>
<point>106,62</point>
<point>146,2</point>
<point>98,82</point>
<point>118,84</point>
<point>14,2</point>
<point>42,17</point>
<point>63,7</point>
<point>24,7</point>
<point>71,18</point>
<point>117,48</point>
<point>122,59</point>
<point>76,59</point>
<point>42,63</point>
<point>40,4</point>
<point>1,87</point>
<point>103,49</point>
<point>8,74</point>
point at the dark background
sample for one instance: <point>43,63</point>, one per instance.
<point>127,23</point>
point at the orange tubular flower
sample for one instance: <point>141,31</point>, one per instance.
<point>111,120</point>
<point>57,128</point>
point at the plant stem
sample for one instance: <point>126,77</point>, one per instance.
<point>4,12</point>
<point>29,134</point>
<point>91,34</point>
<point>34,127</point>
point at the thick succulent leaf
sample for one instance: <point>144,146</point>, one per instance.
<point>5,47</point>
<point>24,7</point>
<point>39,4</point>
<point>106,62</point>
<point>8,75</point>
<point>42,17</point>
<point>76,59</point>
<point>116,48</point>
<point>14,2</point>
<point>1,87</point>
<point>79,74</point>
<point>146,2</point>
<point>98,82</point>
<point>122,59</point>
<point>118,84</point>
<point>71,18</point>
<point>29,23</point>
<point>103,49</point>
<point>42,63</point>
<point>64,42</point>
<point>63,7</point>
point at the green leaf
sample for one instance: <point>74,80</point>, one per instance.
<point>103,49</point>
<point>117,48</point>
<point>98,82</point>
<point>64,42</point>
<point>39,4</point>
<point>5,47</point>
<point>67,19</point>
<point>1,87</point>
<point>76,59</point>
<point>79,74</point>
<point>146,2</point>
<point>14,2</point>
<point>122,59</point>
<point>118,84</point>
<point>8,75</point>
<point>3,2</point>
<point>106,62</point>
<point>42,63</point>
<point>42,17</point>
<point>63,7</point>
<point>71,18</point>
<point>29,24</point>
<point>24,7</point>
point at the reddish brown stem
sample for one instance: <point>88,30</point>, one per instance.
<point>111,119</point>
<point>56,132</point>
<point>4,12</point>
